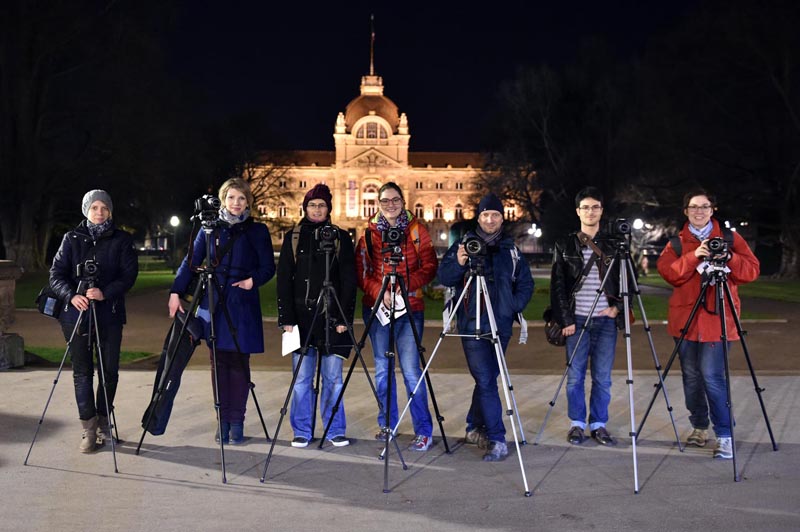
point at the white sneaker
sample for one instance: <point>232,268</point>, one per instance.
<point>724,449</point>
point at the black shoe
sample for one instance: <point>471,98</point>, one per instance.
<point>300,442</point>
<point>575,436</point>
<point>602,436</point>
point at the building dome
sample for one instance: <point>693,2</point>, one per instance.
<point>369,104</point>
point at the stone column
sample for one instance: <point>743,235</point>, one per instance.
<point>12,347</point>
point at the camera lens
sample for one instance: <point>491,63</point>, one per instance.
<point>90,268</point>
<point>716,245</point>
<point>474,246</point>
<point>623,227</point>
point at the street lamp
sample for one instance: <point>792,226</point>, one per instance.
<point>174,222</point>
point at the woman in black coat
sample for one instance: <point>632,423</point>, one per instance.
<point>301,274</point>
<point>96,263</point>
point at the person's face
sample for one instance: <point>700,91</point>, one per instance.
<point>98,212</point>
<point>490,221</point>
<point>317,210</point>
<point>699,211</point>
<point>391,204</point>
<point>590,211</point>
<point>235,201</point>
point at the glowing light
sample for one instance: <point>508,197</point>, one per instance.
<point>638,223</point>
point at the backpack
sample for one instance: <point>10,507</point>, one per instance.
<point>727,235</point>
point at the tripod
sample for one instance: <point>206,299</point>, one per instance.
<point>476,275</point>
<point>622,258</point>
<point>326,298</point>
<point>93,334</point>
<point>716,275</point>
<point>392,282</point>
<point>207,285</point>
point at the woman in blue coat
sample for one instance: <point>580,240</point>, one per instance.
<point>239,269</point>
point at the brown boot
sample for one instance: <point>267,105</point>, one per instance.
<point>103,432</point>
<point>89,437</point>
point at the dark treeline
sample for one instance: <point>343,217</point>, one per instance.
<point>714,101</point>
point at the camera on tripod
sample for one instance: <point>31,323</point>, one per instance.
<point>718,248</point>
<point>475,247</point>
<point>87,270</point>
<point>326,236</point>
<point>391,239</point>
<point>620,227</point>
<point>206,209</point>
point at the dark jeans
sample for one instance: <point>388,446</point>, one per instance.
<point>82,356</point>
<point>704,386</point>
<point>486,411</point>
<point>233,374</point>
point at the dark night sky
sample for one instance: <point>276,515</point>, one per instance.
<point>441,62</point>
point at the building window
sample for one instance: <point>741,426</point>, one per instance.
<point>369,201</point>
<point>511,214</point>
<point>419,211</point>
<point>419,185</point>
<point>282,183</point>
<point>437,212</point>
<point>439,186</point>
<point>371,133</point>
<point>282,210</point>
<point>303,184</point>
<point>459,186</point>
<point>458,211</point>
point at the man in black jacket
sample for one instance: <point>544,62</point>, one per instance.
<point>580,261</point>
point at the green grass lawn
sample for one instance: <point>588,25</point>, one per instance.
<point>55,354</point>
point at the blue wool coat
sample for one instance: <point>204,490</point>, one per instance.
<point>250,256</point>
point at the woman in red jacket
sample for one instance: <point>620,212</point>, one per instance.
<point>417,268</point>
<point>701,352</point>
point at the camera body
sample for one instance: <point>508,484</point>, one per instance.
<point>206,208</point>
<point>87,270</point>
<point>718,248</point>
<point>620,227</point>
<point>475,246</point>
<point>326,236</point>
<point>391,239</point>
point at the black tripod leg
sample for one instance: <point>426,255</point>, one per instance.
<point>258,409</point>
<point>53,389</point>
<point>315,392</point>
<point>758,389</point>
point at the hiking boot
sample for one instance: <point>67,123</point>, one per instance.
<point>724,449</point>
<point>226,428</point>
<point>575,435</point>
<point>103,430</point>
<point>698,438</point>
<point>237,433</point>
<point>421,443</point>
<point>477,437</point>
<point>89,436</point>
<point>339,441</point>
<point>497,452</point>
<point>300,442</point>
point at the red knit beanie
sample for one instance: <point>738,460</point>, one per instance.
<point>320,191</point>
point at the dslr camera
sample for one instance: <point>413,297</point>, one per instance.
<point>619,227</point>
<point>718,248</point>
<point>474,246</point>
<point>206,209</point>
<point>326,236</point>
<point>87,270</point>
<point>391,239</point>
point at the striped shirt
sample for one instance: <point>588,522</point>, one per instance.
<point>588,291</point>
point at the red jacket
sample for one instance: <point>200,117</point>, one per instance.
<point>417,269</point>
<point>681,273</point>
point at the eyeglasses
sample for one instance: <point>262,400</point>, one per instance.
<point>321,205</point>
<point>397,200</point>
<point>593,208</point>
<point>699,208</point>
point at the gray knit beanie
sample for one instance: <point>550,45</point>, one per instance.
<point>95,195</point>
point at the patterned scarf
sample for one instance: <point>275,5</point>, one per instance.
<point>702,233</point>
<point>402,221</point>
<point>227,217</point>
<point>96,230</point>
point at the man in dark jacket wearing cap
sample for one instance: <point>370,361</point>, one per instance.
<point>510,285</point>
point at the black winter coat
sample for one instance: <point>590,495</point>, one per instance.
<point>300,280</point>
<point>117,268</point>
<point>566,271</point>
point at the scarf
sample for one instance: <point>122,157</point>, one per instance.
<point>702,233</point>
<point>227,217</point>
<point>96,230</point>
<point>402,221</point>
<point>489,239</point>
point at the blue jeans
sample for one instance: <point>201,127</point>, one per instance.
<point>81,352</point>
<point>704,387</point>
<point>486,410</point>
<point>408,356</point>
<point>598,344</point>
<point>303,395</point>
